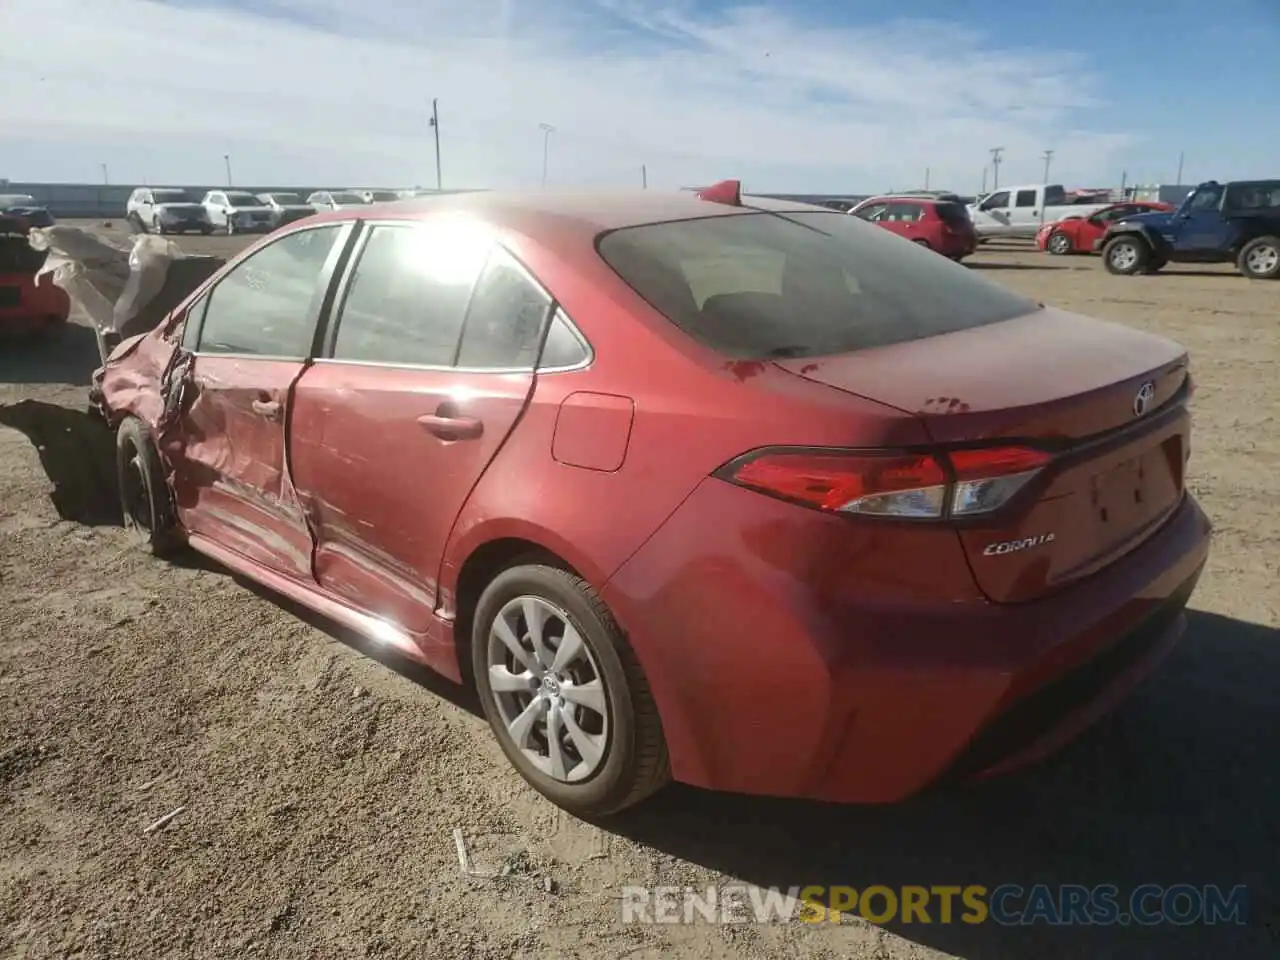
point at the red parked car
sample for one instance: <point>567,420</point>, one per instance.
<point>1082,234</point>
<point>27,304</point>
<point>755,497</point>
<point>941,225</point>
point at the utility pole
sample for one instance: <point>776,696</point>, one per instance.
<point>1124,184</point>
<point>105,179</point>
<point>226,159</point>
<point>1181,157</point>
<point>644,176</point>
<point>926,178</point>
<point>435,126</point>
<point>984,180</point>
<point>995,167</point>
<point>547,129</point>
<point>1048,158</point>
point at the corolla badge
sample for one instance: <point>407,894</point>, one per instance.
<point>1013,546</point>
<point>1145,396</point>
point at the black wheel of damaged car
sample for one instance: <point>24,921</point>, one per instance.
<point>1126,255</point>
<point>144,494</point>
<point>1259,259</point>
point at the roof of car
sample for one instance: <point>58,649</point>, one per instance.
<point>597,210</point>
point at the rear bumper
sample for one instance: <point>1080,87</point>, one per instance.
<point>768,686</point>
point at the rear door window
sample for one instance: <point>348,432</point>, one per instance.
<point>407,296</point>
<point>505,319</point>
<point>872,212</point>
<point>903,213</point>
<point>1025,198</point>
<point>756,285</point>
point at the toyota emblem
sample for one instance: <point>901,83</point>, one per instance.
<point>1142,401</point>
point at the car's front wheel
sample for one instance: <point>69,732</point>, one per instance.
<point>1059,244</point>
<point>564,693</point>
<point>144,495</point>
<point>1126,255</point>
<point>1259,259</point>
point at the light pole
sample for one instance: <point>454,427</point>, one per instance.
<point>105,179</point>
<point>1048,157</point>
<point>547,129</point>
<point>226,159</point>
<point>995,167</point>
<point>435,126</point>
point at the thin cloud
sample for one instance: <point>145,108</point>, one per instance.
<point>333,91</point>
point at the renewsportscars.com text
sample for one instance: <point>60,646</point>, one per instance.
<point>1006,904</point>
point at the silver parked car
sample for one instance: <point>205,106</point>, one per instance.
<point>166,210</point>
<point>286,207</point>
<point>335,200</point>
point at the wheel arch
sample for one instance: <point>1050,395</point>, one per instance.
<point>484,557</point>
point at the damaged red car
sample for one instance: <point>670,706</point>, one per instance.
<point>29,303</point>
<point>742,493</point>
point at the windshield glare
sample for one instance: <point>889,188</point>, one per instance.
<point>756,286</point>
<point>17,200</point>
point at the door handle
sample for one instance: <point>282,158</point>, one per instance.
<point>452,428</point>
<point>267,408</point>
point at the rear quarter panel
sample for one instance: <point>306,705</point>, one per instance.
<point>693,411</point>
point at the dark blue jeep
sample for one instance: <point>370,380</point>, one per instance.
<point>1236,222</point>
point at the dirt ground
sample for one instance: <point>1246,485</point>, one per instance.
<point>320,788</point>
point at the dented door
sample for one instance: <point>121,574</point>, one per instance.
<point>255,331</point>
<point>391,432</point>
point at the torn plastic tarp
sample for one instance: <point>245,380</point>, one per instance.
<point>124,290</point>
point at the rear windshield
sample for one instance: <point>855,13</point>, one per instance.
<point>954,214</point>
<point>758,285</point>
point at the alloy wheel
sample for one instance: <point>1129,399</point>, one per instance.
<point>1124,256</point>
<point>549,689</point>
<point>1263,259</point>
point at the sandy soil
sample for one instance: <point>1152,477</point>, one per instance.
<point>320,788</point>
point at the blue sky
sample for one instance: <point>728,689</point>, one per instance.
<point>804,96</point>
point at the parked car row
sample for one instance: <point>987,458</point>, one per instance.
<point>164,210</point>
<point>1236,222</point>
<point>27,208</point>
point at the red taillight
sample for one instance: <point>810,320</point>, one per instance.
<point>908,485</point>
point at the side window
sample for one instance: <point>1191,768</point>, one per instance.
<point>263,306</point>
<point>872,212</point>
<point>1025,198</point>
<point>563,347</point>
<point>504,320</point>
<point>408,295</point>
<point>903,212</point>
<point>997,201</point>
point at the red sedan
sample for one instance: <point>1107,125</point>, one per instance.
<point>27,304</point>
<point>1079,234</point>
<point>750,495</point>
<point>940,225</point>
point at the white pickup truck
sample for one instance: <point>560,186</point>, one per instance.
<point>1021,211</point>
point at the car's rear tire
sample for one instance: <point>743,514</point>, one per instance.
<point>1259,259</point>
<point>145,502</point>
<point>607,733</point>
<point>1126,255</point>
<point>1059,244</point>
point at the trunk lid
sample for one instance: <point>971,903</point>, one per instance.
<point>1069,384</point>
